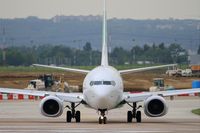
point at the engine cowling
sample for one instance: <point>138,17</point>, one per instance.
<point>155,106</point>
<point>51,106</point>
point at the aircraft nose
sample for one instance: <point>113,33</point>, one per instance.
<point>102,92</point>
<point>103,98</point>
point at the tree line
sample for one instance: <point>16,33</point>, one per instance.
<point>63,55</point>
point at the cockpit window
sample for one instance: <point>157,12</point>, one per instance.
<point>102,83</point>
<point>113,83</point>
<point>97,82</point>
<point>107,82</point>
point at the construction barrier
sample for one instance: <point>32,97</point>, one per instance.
<point>192,94</point>
<point>30,97</point>
<point>18,97</point>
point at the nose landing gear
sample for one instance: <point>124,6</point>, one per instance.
<point>134,113</point>
<point>73,113</point>
<point>102,118</point>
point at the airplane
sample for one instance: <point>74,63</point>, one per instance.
<point>103,90</point>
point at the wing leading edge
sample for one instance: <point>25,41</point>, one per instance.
<point>67,97</point>
<point>128,97</point>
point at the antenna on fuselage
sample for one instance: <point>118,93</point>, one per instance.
<point>104,54</point>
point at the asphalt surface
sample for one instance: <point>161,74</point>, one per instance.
<point>25,117</point>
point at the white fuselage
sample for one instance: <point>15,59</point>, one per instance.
<point>103,88</point>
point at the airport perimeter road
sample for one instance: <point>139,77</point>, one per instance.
<point>24,117</point>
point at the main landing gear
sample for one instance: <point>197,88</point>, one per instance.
<point>134,113</point>
<point>73,114</point>
<point>102,118</point>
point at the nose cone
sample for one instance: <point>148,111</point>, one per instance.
<point>102,92</point>
<point>103,97</point>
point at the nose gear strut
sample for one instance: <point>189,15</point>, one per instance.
<point>102,118</point>
<point>134,113</point>
<point>73,113</point>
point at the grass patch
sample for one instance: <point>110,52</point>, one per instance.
<point>27,69</point>
<point>196,111</point>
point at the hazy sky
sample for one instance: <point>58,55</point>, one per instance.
<point>137,9</point>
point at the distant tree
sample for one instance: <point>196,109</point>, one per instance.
<point>15,57</point>
<point>137,49</point>
<point>178,53</point>
<point>1,57</point>
<point>59,54</point>
<point>119,55</point>
<point>146,47</point>
<point>87,47</point>
<point>135,52</point>
<point>86,54</point>
<point>154,46</point>
<point>161,46</point>
<point>198,52</point>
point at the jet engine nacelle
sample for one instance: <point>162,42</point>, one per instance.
<point>155,106</point>
<point>51,106</point>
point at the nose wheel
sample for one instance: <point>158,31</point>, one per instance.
<point>73,114</point>
<point>102,118</point>
<point>134,114</point>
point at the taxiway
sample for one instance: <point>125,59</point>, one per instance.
<point>24,116</point>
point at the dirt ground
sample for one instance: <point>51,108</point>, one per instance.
<point>132,82</point>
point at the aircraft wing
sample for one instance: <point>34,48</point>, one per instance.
<point>67,97</point>
<point>144,69</point>
<point>131,97</point>
<point>64,68</point>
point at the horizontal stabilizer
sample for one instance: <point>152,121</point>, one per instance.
<point>144,69</point>
<point>64,68</point>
